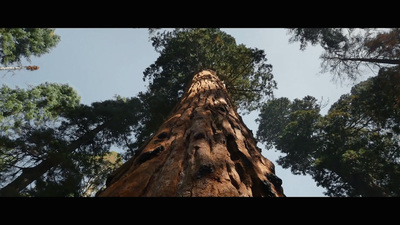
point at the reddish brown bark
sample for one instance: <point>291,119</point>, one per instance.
<point>202,149</point>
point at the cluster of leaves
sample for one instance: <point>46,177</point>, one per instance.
<point>18,43</point>
<point>354,149</point>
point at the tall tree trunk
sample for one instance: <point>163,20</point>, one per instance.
<point>202,149</point>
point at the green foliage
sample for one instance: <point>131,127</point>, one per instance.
<point>119,120</point>
<point>185,52</point>
<point>357,148</point>
<point>18,43</point>
<point>46,125</point>
<point>43,102</point>
<point>290,126</point>
<point>351,151</point>
<point>26,118</point>
<point>347,52</point>
<point>328,38</point>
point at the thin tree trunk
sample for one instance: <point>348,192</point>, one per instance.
<point>202,149</point>
<point>19,68</point>
<point>12,68</point>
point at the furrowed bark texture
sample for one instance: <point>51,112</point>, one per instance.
<point>203,149</point>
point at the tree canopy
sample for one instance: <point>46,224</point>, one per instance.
<point>351,151</point>
<point>349,51</point>
<point>51,145</point>
<point>19,43</point>
<point>185,52</point>
<point>354,149</point>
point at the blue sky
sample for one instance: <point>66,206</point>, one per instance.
<point>103,62</point>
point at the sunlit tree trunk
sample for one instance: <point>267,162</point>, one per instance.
<point>202,149</point>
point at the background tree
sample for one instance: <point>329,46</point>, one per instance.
<point>53,146</point>
<point>25,119</point>
<point>351,151</point>
<point>348,150</point>
<point>348,51</point>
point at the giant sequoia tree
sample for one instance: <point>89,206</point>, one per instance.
<point>184,52</point>
<point>202,149</point>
